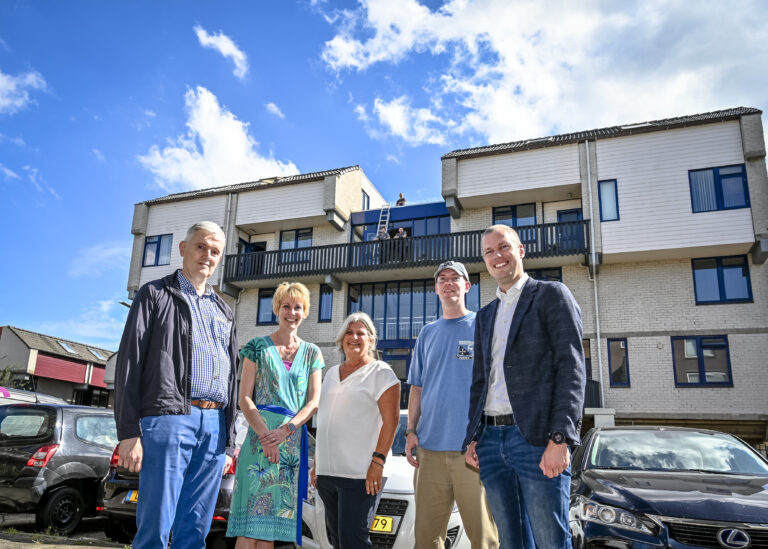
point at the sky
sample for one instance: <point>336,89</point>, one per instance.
<point>107,104</point>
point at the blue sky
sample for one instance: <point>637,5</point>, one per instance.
<point>106,104</point>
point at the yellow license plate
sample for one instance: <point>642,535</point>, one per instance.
<point>382,524</point>
<point>132,497</point>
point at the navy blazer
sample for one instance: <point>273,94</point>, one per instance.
<point>543,364</point>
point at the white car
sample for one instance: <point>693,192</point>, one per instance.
<point>394,522</point>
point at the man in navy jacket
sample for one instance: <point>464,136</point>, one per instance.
<point>526,398</point>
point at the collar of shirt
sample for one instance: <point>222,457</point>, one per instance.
<point>514,292</point>
<point>188,288</point>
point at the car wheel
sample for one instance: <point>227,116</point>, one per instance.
<point>62,511</point>
<point>120,531</point>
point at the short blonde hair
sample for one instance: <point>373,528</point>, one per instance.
<point>512,233</point>
<point>366,321</point>
<point>296,290</point>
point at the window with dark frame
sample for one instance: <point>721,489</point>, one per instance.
<point>157,250</point>
<point>264,315</point>
<point>721,280</point>
<point>618,363</point>
<point>609,200</point>
<point>366,201</point>
<point>722,188</point>
<point>553,274</point>
<point>297,240</point>
<point>701,361</point>
<point>519,215</point>
<point>325,313</point>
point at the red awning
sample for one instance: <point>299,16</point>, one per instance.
<point>97,377</point>
<point>59,368</point>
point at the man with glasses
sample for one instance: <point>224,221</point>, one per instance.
<point>440,377</point>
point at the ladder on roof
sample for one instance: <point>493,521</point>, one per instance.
<point>383,218</point>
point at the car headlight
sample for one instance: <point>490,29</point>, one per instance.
<point>610,516</point>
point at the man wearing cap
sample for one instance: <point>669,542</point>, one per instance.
<point>526,398</point>
<point>440,377</point>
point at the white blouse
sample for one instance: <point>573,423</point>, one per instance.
<point>349,421</point>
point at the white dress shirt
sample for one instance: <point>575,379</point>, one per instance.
<point>497,401</point>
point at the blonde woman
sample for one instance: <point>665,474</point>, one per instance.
<point>356,423</point>
<point>279,392</point>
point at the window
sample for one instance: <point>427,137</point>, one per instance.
<point>97,353</point>
<point>719,188</point>
<point>67,347</point>
<point>515,216</point>
<point>554,274</point>
<point>100,430</point>
<point>722,280</point>
<point>401,309</point>
<point>265,314</point>
<point>609,200</point>
<point>326,303</point>
<point>701,361</point>
<point>618,363</point>
<point>366,201</point>
<point>157,250</point>
<point>295,240</point>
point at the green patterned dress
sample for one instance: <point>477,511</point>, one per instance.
<point>264,500</point>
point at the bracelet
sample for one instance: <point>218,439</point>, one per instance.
<point>410,432</point>
<point>379,464</point>
<point>381,456</point>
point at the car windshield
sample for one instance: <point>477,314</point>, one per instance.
<point>398,446</point>
<point>671,450</point>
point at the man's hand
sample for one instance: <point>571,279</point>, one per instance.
<point>471,456</point>
<point>130,454</point>
<point>555,460</point>
<point>313,476</point>
<point>227,463</point>
<point>411,442</point>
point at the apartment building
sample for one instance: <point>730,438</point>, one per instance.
<point>659,229</point>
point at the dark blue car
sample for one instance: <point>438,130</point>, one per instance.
<point>653,487</point>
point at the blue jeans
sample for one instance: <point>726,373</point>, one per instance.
<point>180,478</point>
<point>530,510</point>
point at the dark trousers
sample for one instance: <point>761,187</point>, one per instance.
<point>348,511</point>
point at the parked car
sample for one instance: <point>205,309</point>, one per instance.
<point>393,526</point>
<point>668,487</point>
<point>52,457</point>
<point>119,495</point>
<point>11,396</point>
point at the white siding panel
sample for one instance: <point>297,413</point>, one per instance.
<point>651,171</point>
<point>280,203</point>
<point>547,167</point>
<point>175,218</point>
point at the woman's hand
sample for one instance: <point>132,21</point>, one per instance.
<point>275,436</point>
<point>373,484</point>
<point>271,452</point>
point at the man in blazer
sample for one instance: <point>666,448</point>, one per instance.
<point>526,398</point>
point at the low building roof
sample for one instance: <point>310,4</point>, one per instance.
<point>53,345</point>
<point>251,185</point>
<point>601,133</point>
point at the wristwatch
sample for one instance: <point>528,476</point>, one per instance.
<point>291,427</point>
<point>381,456</point>
<point>410,432</point>
<point>557,437</point>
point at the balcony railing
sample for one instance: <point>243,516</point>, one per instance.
<point>547,240</point>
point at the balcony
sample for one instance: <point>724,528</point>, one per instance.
<point>549,240</point>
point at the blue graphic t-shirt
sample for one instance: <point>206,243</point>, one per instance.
<point>442,367</point>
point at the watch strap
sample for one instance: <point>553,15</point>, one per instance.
<point>381,456</point>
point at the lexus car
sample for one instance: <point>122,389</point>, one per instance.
<point>649,487</point>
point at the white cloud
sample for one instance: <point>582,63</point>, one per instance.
<point>509,70</point>
<point>8,173</point>
<point>226,47</point>
<point>14,90</point>
<point>39,182</point>
<point>149,113</point>
<point>18,141</point>
<point>392,158</point>
<point>99,324</point>
<point>96,260</point>
<point>99,155</point>
<point>274,109</point>
<point>361,113</point>
<point>217,149</point>
<point>415,126</point>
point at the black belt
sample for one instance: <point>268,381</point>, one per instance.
<point>507,419</point>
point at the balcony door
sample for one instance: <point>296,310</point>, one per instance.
<point>570,236</point>
<point>400,360</point>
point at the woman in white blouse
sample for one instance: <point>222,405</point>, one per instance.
<point>356,422</point>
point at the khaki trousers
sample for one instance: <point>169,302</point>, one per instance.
<point>440,479</point>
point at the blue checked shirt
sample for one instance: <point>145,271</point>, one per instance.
<point>210,344</point>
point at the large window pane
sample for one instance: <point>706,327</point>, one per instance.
<point>391,311</point>
<point>445,224</point>
<point>617,358</point>
<point>417,318</point>
<point>504,216</point>
<point>265,314</point>
<point>404,318</point>
<point>304,238</point>
<point>366,299</point>
<point>378,309</point>
<point>715,359</point>
<point>701,360</point>
<point>150,250</point>
<point>609,207</point>
<point>719,188</point>
<point>686,363</point>
<point>705,280</point>
<point>287,240</point>
<point>733,191</point>
<point>526,215</point>
<point>736,278</point>
<point>472,298</point>
<point>433,225</point>
<point>430,314</point>
<point>326,303</point>
<point>164,257</point>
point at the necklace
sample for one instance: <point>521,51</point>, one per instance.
<point>346,369</point>
<point>288,351</point>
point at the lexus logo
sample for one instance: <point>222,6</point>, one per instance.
<point>733,538</point>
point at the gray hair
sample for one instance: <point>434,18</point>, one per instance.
<point>366,321</point>
<point>209,226</point>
